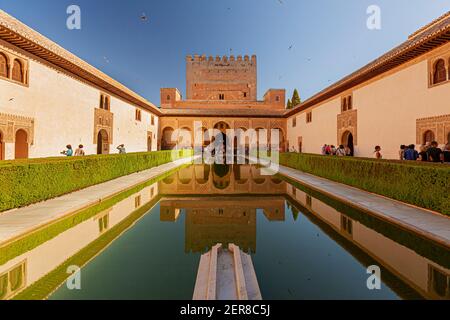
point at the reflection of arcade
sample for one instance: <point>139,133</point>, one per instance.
<point>27,268</point>
<point>12,281</point>
<point>224,216</point>
<point>425,276</point>
<point>221,179</point>
<point>222,219</point>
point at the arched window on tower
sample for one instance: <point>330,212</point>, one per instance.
<point>17,72</point>
<point>439,72</point>
<point>3,66</point>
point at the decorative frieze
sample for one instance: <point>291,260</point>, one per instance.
<point>439,127</point>
<point>103,120</point>
<point>347,122</point>
<point>11,123</point>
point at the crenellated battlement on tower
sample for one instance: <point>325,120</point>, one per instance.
<point>221,77</point>
<point>222,59</point>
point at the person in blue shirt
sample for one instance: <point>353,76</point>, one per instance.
<point>411,153</point>
<point>68,152</point>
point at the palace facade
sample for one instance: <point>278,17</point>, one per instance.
<point>50,98</point>
<point>403,97</point>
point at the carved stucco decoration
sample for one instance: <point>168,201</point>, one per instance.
<point>11,123</point>
<point>103,120</point>
<point>347,121</point>
<point>439,125</point>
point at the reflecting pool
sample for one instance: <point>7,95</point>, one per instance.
<point>146,243</point>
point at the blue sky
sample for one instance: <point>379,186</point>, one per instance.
<point>329,38</point>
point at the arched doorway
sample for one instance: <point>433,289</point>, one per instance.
<point>149,143</point>
<point>2,147</point>
<point>428,137</point>
<point>21,145</point>
<point>222,127</point>
<point>282,142</point>
<point>102,142</point>
<point>347,140</point>
<point>259,143</point>
<point>166,140</point>
<point>185,139</point>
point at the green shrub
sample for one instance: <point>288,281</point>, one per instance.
<point>420,184</point>
<point>24,182</point>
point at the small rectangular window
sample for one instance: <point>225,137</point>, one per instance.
<point>309,117</point>
<point>221,96</point>
<point>245,94</point>
<point>294,122</point>
<point>153,121</point>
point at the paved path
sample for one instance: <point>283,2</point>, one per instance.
<point>17,222</point>
<point>432,225</point>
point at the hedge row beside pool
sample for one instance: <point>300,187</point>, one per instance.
<point>423,185</point>
<point>24,182</point>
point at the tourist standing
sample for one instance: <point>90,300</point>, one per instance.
<point>121,149</point>
<point>80,151</point>
<point>324,149</point>
<point>68,152</point>
<point>423,155</point>
<point>401,153</point>
<point>340,152</point>
<point>411,153</point>
<point>333,150</point>
<point>377,152</point>
<point>446,153</point>
<point>434,153</point>
<point>348,151</point>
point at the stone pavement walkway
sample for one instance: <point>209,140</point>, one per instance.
<point>18,222</point>
<point>429,224</point>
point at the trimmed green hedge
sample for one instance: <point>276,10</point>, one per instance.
<point>423,185</point>
<point>24,182</point>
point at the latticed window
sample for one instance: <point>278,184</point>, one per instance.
<point>3,66</point>
<point>440,73</point>
<point>17,73</point>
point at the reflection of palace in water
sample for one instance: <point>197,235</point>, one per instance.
<point>422,274</point>
<point>27,268</point>
<point>221,179</point>
<point>222,203</point>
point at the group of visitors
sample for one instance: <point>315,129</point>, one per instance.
<point>79,152</point>
<point>429,152</point>
<point>341,151</point>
